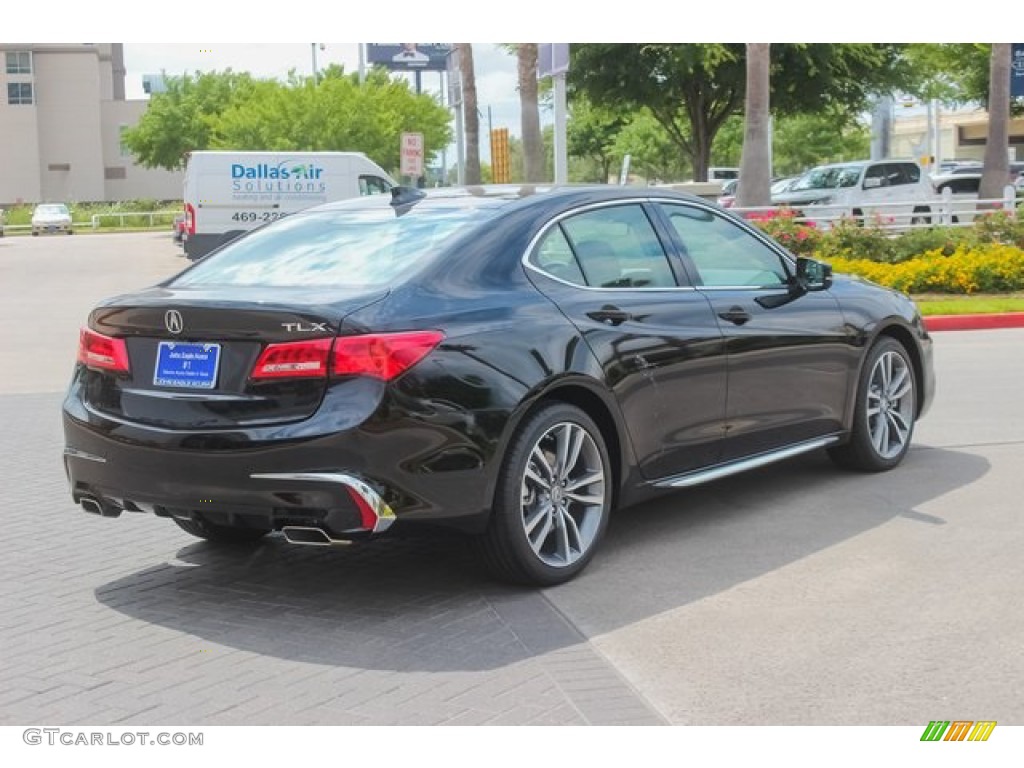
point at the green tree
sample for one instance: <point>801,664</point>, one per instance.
<point>336,114</point>
<point>228,111</point>
<point>953,73</point>
<point>591,134</point>
<point>653,153</point>
<point>800,142</point>
<point>185,117</point>
<point>692,89</point>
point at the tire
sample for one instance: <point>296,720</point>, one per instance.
<point>547,521</point>
<point>220,534</point>
<point>883,419</point>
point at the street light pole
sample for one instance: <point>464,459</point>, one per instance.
<point>313,48</point>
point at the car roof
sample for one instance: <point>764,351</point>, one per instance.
<point>498,195</point>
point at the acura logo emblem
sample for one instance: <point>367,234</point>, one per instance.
<point>173,321</point>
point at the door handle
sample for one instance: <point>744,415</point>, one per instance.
<point>610,315</point>
<point>735,315</point>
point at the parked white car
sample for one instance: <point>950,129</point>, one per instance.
<point>51,217</point>
<point>896,190</point>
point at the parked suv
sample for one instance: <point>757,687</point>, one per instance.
<point>893,189</point>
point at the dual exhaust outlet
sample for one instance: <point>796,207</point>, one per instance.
<point>374,514</point>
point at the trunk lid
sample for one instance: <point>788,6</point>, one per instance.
<point>192,353</point>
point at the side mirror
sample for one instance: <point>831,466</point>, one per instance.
<point>813,275</point>
<point>872,183</point>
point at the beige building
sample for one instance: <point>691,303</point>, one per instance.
<point>962,134</point>
<point>62,111</point>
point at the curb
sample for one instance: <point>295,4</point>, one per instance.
<point>974,322</point>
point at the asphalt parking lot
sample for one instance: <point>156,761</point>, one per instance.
<point>797,594</point>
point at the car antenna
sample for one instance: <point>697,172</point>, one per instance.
<point>404,197</point>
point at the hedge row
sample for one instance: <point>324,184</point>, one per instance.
<point>986,268</point>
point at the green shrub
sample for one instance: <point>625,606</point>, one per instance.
<point>985,268</point>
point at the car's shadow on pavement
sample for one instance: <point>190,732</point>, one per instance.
<point>425,605</point>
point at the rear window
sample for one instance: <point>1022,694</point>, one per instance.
<point>366,247</point>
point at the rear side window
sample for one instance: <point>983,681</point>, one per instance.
<point>371,248</point>
<point>911,173</point>
<point>617,247</point>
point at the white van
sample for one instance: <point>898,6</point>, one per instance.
<point>229,193</point>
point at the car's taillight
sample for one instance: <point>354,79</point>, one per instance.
<point>381,355</point>
<point>294,359</point>
<point>98,351</point>
<point>190,219</point>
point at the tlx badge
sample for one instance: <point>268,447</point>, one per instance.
<point>305,327</point>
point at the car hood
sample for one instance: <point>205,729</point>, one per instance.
<point>803,196</point>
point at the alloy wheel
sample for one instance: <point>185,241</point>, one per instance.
<point>890,404</point>
<point>563,494</point>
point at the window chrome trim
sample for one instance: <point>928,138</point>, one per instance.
<point>656,199</point>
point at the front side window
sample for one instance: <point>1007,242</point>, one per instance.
<point>723,253</point>
<point>19,63</point>
<point>372,185</point>
<point>828,177</point>
<point>19,93</point>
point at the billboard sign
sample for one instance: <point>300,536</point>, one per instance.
<point>1017,71</point>
<point>409,57</point>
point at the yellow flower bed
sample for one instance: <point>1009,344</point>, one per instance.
<point>986,268</point>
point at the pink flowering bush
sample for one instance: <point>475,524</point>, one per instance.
<point>801,238</point>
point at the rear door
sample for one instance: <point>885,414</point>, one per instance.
<point>653,335</point>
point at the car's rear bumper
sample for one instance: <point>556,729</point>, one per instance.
<point>345,481</point>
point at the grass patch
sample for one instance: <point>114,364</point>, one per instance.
<point>970,305</point>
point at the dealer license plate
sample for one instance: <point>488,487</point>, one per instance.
<point>193,366</point>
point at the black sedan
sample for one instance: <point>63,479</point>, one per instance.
<point>513,363</point>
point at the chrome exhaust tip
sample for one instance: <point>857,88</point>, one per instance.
<point>94,506</point>
<point>315,537</point>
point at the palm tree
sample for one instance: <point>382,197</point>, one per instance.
<point>470,113</point>
<point>533,144</point>
<point>755,162</point>
<point>997,161</point>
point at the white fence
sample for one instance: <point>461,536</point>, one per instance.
<point>150,215</point>
<point>941,210</point>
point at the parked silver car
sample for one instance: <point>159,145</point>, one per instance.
<point>51,217</point>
